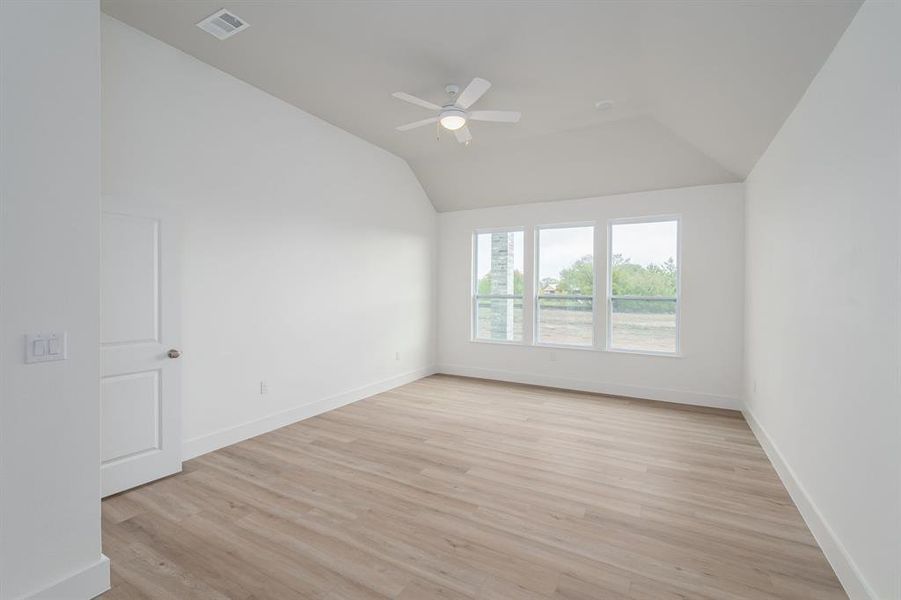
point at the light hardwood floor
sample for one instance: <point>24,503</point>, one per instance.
<point>457,488</point>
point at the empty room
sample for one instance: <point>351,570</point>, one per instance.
<point>450,299</point>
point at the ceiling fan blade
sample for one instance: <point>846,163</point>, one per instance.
<point>497,116</point>
<point>463,135</point>
<point>473,92</point>
<point>416,124</point>
<point>414,100</point>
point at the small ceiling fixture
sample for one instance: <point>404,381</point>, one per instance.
<point>223,24</point>
<point>604,104</point>
<point>453,116</point>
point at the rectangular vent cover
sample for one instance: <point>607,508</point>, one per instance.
<point>223,24</point>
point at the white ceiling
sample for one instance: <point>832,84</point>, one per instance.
<point>701,87</point>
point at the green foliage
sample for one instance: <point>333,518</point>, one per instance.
<point>485,284</point>
<point>578,278</point>
<point>628,279</point>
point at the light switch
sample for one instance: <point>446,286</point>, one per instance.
<point>45,347</point>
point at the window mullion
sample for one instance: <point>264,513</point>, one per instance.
<point>529,289</point>
<point>600,282</point>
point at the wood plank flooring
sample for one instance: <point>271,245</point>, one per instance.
<point>453,488</point>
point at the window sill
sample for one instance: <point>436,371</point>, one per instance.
<point>564,346</point>
<point>498,342</point>
<point>579,348</point>
<point>644,352</point>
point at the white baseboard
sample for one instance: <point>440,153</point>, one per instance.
<point>612,389</point>
<point>232,435</point>
<point>87,583</point>
<point>846,570</point>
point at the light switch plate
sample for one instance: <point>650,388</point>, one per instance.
<point>46,347</point>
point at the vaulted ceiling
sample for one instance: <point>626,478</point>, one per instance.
<point>699,87</point>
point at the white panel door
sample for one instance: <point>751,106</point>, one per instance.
<point>139,387</point>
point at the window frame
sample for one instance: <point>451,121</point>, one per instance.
<point>609,347</point>
<point>536,294</point>
<point>474,286</point>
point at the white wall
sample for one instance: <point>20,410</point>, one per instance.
<point>50,270</point>
<point>307,253</point>
<point>709,370</point>
<point>822,342</point>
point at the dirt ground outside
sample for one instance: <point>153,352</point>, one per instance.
<point>652,332</point>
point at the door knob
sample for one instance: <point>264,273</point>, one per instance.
<point>173,353</point>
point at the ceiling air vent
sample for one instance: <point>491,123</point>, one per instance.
<point>223,24</point>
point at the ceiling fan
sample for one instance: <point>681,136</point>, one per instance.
<point>455,115</point>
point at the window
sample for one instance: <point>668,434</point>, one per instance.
<point>497,291</point>
<point>643,290</point>
<point>565,286</point>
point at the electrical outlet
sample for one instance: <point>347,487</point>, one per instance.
<point>264,388</point>
<point>397,356</point>
<point>552,356</point>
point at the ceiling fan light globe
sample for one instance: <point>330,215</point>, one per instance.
<point>453,120</point>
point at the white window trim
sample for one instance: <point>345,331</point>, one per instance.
<point>474,286</point>
<point>678,299</point>
<point>536,297</point>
